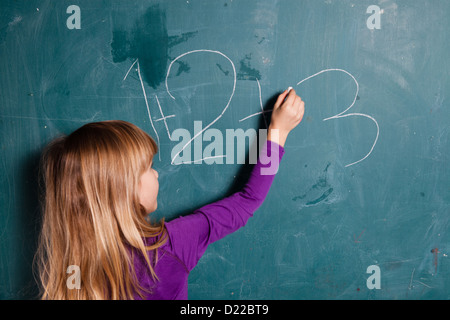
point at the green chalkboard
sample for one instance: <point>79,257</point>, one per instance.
<point>360,208</point>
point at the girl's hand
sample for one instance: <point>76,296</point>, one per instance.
<point>287,113</point>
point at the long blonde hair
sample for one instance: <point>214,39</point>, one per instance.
<point>92,217</point>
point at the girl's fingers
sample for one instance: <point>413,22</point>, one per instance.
<point>280,99</point>
<point>293,102</point>
<point>291,97</point>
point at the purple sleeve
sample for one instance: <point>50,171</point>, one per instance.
<point>191,235</point>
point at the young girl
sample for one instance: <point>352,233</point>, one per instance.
<point>99,188</point>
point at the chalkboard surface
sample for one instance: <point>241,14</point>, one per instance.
<point>361,204</point>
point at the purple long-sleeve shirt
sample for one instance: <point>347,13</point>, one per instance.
<point>189,236</point>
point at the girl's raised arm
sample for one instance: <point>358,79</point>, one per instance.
<point>191,235</point>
